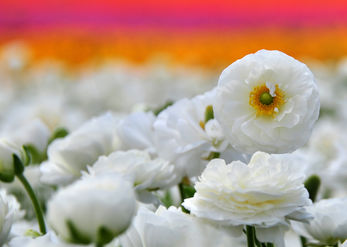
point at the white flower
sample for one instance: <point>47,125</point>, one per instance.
<point>43,192</point>
<point>33,132</point>
<point>68,156</point>
<point>7,149</point>
<point>329,224</point>
<point>94,209</point>
<point>267,101</point>
<point>263,193</point>
<point>47,240</point>
<point>9,212</point>
<point>138,167</point>
<point>183,136</point>
<point>173,228</point>
<point>136,131</point>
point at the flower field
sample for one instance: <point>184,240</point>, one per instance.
<point>167,128</point>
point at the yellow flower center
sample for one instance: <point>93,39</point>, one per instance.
<point>264,102</point>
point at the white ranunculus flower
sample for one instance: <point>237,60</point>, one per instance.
<point>92,210</point>
<point>329,224</point>
<point>68,156</point>
<point>47,240</point>
<point>136,131</point>
<point>183,136</point>
<point>33,132</point>
<point>173,228</point>
<point>264,193</point>
<point>9,212</point>
<point>267,101</point>
<point>7,149</point>
<point>138,167</point>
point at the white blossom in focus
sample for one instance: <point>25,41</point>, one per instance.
<point>68,156</point>
<point>265,193</point>
<point>92,210</point>
<point>267,101</point>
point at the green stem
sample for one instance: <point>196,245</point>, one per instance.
<point>180,187</point>
<point>250,231</point>
<point>35,202</point>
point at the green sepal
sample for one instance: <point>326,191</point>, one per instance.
<point>162,108</point>
<point>75,236</point>
<point>209,114</point>
<point>32,233</point>
<point>213,155</point>
<point>28,155</point>
<point>58,133</point>
<point>104,236</point>
<point>312,185</point>
<point>7,178</point>
<point>18,165</point>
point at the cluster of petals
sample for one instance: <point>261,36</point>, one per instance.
<point>265,192</point>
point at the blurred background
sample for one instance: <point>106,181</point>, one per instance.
<point>68,60</point>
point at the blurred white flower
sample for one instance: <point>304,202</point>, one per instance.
<point>33,132</point>
<point>136,131</point>
<point>43,192</point>
<point>183,136</point>
<point>9,212</point>
<point>138,167</point>
<point>329,224</point>
<point>267,101</point>
<point>47,240</point>
<point>264,193</point>
<point>173,228</point>
<point>68,156</point>
<point>7,149</point>
<point>92,210</point>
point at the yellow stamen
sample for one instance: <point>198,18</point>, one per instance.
<point>266,108</point>
<point>202,125</point>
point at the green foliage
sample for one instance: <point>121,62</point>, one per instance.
<point>312,185</point>
<point>162,108</point>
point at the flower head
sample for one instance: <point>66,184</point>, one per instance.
<point>138,167</point>
<point>92,210</point>
<point>263,193</point>
<point>329,224</point>
<point>267,101</point>
<point>70,155</point>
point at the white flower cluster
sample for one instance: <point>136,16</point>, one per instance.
<point>214,169</point>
